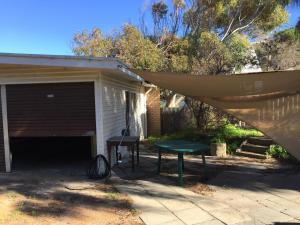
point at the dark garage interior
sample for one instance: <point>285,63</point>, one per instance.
<point>50,152</point>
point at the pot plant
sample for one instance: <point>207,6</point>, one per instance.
<point>218,146</point>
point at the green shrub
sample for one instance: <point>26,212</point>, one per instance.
<point>232,131</point>
<point>288,35</point>
<point>231,147</point>
<point>218,139</point>
<point>278,152</point>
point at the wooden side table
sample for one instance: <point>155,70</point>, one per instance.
<point>129,141</point>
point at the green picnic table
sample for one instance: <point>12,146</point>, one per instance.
<point>181,147</point>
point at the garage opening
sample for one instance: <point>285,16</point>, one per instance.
<point>50,152</point>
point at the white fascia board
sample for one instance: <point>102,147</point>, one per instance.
<point>71,62</point>
<point>60,61</point>
<point>130,74</point>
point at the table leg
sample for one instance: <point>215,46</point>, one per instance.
<point>159,162</point>
<point>117,155</point>
<point>203,159</point>
<point>137,154</point>
<point>180,169</point>
<point>132,157</point>
<point>109,155</point>
<point>183,163</point>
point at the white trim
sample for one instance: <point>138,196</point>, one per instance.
<point>99,115</point>
<point>5,129</point>
<point>60,61</point>
<point>47,79</point>
<point>131,74</point>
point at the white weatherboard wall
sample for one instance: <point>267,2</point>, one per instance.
<point>114,108</point>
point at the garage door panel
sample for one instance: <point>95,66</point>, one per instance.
<point>60,109</point>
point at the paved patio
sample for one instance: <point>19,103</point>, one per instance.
<point>237,191</point>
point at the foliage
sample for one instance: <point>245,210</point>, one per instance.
<point>239,46</point>
<point>289,35</point>
<point>211,56</point>
<point>137,51</point>
<point>187,134</point>
<point>297,27</point>
<point>233,146</point>
<point>130,46</point>
<point>232,131</point>
<point>218,139</point>
<point>215,38</point>
<point>235,16</point>
<point>93,44</point>
<point>177,53</point>
<point>278,152</point>
<point>272,53</point>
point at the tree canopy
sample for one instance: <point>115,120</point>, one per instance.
<point>197,36</point>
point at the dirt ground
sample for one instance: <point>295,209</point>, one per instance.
<point>197,177</point>
<point>50,197</point>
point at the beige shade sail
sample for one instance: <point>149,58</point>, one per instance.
<point>268,101</point>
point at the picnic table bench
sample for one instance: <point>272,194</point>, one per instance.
<point>181,147</point>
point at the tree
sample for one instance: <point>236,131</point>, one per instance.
<point>137,51</point>
<point>129,45</point>
<point>93,44</point>
<point>235,16</point>
<point>280,52</point>
<point>203,37</point>
<point>212,56</point>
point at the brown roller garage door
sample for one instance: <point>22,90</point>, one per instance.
<point>56,109</point>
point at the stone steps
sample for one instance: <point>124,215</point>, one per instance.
<point>251,154</point>
<point>260,149</point>
<point>262,141</point>
<point>255,147</point>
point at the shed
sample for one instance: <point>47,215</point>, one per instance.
<point>68,96</point>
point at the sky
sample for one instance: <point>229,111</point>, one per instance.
<point>48,26</point>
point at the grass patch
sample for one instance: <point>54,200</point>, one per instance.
<point>229,133</point>
<point>190,135</point>
<point>232,131</point>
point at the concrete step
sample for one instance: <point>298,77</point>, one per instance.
<point>254,148</point>
<point>251,154</point>
<point>263,141</point>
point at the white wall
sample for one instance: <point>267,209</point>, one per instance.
<point>114,108</point>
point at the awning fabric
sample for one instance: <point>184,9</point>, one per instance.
<point>268,101</point>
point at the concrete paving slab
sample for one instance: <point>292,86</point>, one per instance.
<point>175,205</point>
<point>210,204</point>
<point>242,204</point>
<point>286,194</point>
<point>174,222</point>
<point>280,204</point>
<point>193,216</point>
<point>158,217</point>
<point>240,197</point>
<point>231,216</point>
<point>268,216</point>
<point>211,222</point>
<point>293,212</point>
<point>253,222</point>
